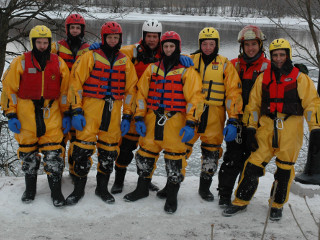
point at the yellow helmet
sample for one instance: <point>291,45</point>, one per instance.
<point>251,32</point>
<point>209,33</point>
<point>280,43</point>
<point>39,31</point>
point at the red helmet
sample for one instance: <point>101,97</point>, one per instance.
<point>171,35</point>
<point>111,28</point>
<point>75,19</point>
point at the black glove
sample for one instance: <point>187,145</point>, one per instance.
<point>302,68</point>
<point>251,142</point>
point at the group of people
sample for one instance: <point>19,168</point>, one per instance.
<point>112,99</point>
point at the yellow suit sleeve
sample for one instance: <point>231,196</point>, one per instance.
<point>233,88</point>
<point>10,84</point>
<point>130,89</point>
<point>252,110</point>
<point>310,100</point>
<point>80,72</point>
<point>192,91</point>
<point>128,50</point>
<point>143,90</point>
<point>54,47</point>
<point>65,76</point>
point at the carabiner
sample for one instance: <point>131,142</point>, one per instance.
<point>110,104</point>
<point>46,112</point>
<point>279,120</point>
<point>162,120</point>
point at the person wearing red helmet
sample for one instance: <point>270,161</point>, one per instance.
<point>250,63</point>
<point>168,94</point>
<point>143,53</point>
<point>70,49</point>
<point>102,82</point>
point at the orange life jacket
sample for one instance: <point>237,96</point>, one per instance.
<point>66,53</point>
<point>139,65</point>
<point>248,73</point>
<point>35,84</point>
<point>105,80</point>
<point>166,91</point>
<point>280,97</point>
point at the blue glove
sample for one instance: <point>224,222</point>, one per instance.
<point>125,127</point>
<point>185,61</point>
<point>95,46</point>
<point>14,125</point>
<point>66,124</point>
<point>188,133</point>
<point>141,127</point>
<point>78,120</point>
<point>230,131</point>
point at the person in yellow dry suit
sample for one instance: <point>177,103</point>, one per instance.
<point>101,81</point>
<point>141,54</point>
<point>222,89</point>
<point>249,64</point>
<point>280,98</point>
<point>34,95</point>
<point>70,49</point>
<point>168,94</point>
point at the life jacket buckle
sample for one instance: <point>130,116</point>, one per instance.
<point>162,120</point>
<point>279,121</point>
<point>46,112</point>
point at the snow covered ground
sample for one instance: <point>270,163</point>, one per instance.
<point>145,219</point>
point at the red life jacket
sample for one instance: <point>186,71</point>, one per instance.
<point>248,73</point>
<point>280,97</point>
<point>66,54</point>
<point>35,84</point>
<point>139,65</point>
<point>105,80</point>
<point>167,91</point>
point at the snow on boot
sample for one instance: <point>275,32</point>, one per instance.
<point>172,201</point>
<point>120,174</point>
<point>275,214</point>
<point>102,188</point>
<point>31,188</point>
<point>233,210</point>
<point>56,194</point>
<point>162,194</point>
<point>204,187</point>
<point>141,191</point>
<point>78,192</point>
<point>153,188</point>
<point>224,201</point>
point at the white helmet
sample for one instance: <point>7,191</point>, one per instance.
<point>152,26</point>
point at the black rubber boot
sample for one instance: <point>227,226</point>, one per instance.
<point>31,188</point>
<point>204,191</point>
<point>102,188</point>
<point>172,201</point>
<point>224,201</point>
<point>275,214</point>
<point>233,210</point>
<point>162,194</point>
<point>78,192</point>
<point>120,174</point>
<point>311,172</point>
<point>56,194</point>
<point>141,191</point>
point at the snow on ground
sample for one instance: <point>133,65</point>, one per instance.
<point>145,219</point>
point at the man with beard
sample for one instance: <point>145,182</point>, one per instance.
<point>70,50</point>
<point>249,64</point>
<point>222,89</point>
<point>34,95</point>
<point>168,94</point>
<point>279,99</point>
<point>101,82</point>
